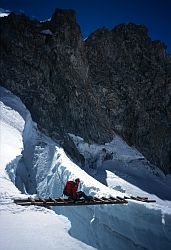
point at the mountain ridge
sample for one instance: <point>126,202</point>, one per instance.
<point>116,81</point>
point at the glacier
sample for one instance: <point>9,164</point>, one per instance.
<point>40,167</point>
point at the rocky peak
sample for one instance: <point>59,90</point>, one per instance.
<point>61,17</point>
<point>65,21</point>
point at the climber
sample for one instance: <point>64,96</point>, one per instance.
<point>70,190</point>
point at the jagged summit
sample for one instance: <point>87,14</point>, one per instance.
<point>64,22</point>
<point>61,16</point>
<point>131,27</point>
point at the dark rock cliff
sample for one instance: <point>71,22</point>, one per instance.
<point>132,75</point>
<point>116,80</point>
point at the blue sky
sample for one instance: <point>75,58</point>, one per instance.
<point>92,14</point>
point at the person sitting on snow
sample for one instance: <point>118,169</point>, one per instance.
<point>70,190</point>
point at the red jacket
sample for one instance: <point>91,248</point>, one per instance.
<point>70,189</point>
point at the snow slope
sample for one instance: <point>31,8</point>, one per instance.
<point>24,227</point>
<point>128,172</point>
<point>39,165</point>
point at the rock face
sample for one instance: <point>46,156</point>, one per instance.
<point>115,81</point>
<point>132,75</point>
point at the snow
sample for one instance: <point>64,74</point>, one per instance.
<point>128,171</point>
<point>38,166</point>
<point>41,230</point>
<point>47,32</point>
<point>4,13</point>
<point>46,20</point>
<point>25,227</point>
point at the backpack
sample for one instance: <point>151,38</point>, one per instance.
<point>70,188</point>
